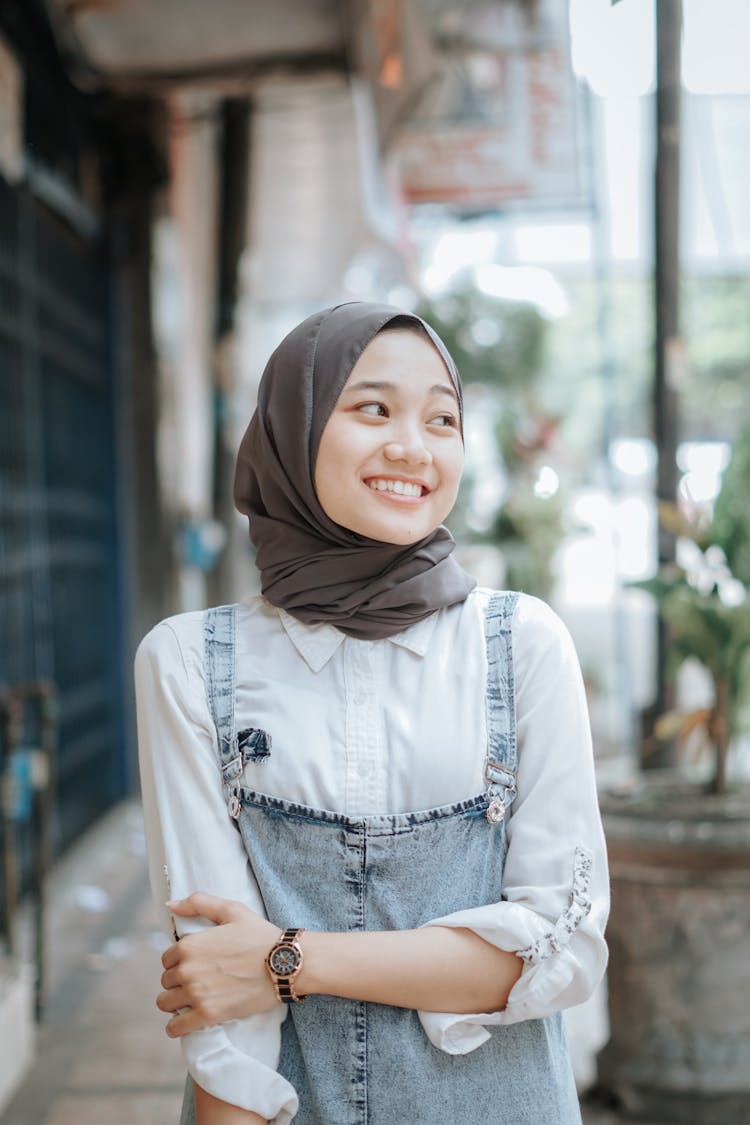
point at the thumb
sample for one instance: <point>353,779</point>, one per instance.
<point>211,907</point>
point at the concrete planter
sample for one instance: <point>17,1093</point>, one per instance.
<point>679,978</point>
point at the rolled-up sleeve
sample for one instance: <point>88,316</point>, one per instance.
<point>194,846</point>
<point>555,883</point>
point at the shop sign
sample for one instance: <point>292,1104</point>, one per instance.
<point>501,124</point>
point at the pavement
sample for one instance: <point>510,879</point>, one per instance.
<point>102,1057</point>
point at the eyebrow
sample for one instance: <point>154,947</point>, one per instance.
<point>377,385</point>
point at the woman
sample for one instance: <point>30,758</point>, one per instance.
<point>407,758</point>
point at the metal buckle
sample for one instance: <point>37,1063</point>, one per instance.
<point>496,810</point>
<point>497,796</point>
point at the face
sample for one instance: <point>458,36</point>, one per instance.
<point>391,454</point>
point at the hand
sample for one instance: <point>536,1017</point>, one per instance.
<point>218,974</point>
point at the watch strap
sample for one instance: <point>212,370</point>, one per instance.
<point>285,992</point>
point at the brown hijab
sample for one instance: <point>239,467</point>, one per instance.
<point>310,566</point>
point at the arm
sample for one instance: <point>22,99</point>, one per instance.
<point>555,881</point>
<point>211,1111</point>
<point>221,973</point>
<point>189,833</point>
<point>436,969</point>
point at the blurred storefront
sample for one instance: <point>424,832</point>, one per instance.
<point>63,464</point>
<point>62,564</point>
<point>271,131</point>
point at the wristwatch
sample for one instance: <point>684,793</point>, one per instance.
<point>284,962</point>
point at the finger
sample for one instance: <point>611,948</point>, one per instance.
<point>172,956</point>
<point>172,1000</point>
<point>183,1023</point>
<point>215,909</point>
<point>171,979</point>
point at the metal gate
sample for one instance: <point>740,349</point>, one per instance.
<point>59,576</point>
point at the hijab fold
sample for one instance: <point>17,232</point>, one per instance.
<point>313,568</point>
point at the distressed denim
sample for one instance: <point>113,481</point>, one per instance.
<point>355,1063</point>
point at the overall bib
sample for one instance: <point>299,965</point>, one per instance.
<point>356,1063</point>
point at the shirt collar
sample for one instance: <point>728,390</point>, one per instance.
<point>316,644</point>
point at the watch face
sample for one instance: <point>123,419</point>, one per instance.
<point>284,960</point>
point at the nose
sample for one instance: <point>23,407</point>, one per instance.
<point>408,447</point>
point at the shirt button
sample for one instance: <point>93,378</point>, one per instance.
<point>360,698</point>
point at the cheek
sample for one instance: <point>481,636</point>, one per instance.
<point>332,476</point>
<point>451,471</point>
<point>454,465</point>
<point>332,455</point>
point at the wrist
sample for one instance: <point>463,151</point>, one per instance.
<point>334,963</point>
<point>284,962</point>
<point>312,978</point>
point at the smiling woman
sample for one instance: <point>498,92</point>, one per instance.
<point>407,760</point>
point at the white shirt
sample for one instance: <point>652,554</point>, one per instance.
<point>386,726</point>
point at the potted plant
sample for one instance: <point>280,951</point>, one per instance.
<point>679,846</point>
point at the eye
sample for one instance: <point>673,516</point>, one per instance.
<point>373,409</point>
<point>448,420</point>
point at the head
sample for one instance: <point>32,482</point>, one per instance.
<point>348,467</point>
<point>359,408</point>
<point>390,455</point>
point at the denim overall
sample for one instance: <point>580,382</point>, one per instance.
<point>356,1063</point>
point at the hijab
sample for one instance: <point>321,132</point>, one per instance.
<point>310,566</point>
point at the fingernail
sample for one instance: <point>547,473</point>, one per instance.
<point>172,902</point>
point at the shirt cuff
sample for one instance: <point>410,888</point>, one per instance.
<point>234,1063</point>
<point>528,999</point>
<point>548,970</point>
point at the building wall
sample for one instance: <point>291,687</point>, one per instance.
<point>67,506</point>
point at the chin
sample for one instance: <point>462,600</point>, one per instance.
<point>397,539</point>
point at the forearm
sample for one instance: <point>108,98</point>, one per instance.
<point>220,974</point>
<point>212,1111</point>
<point>435,969</point>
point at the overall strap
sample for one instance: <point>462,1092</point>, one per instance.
<point>219,627</point>
<point>502,756</point>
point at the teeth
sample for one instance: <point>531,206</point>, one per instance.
<point>400,487</point>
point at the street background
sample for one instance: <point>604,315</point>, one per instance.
<point>560,187</point>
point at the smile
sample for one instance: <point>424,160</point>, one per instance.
<point>397,487</point>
